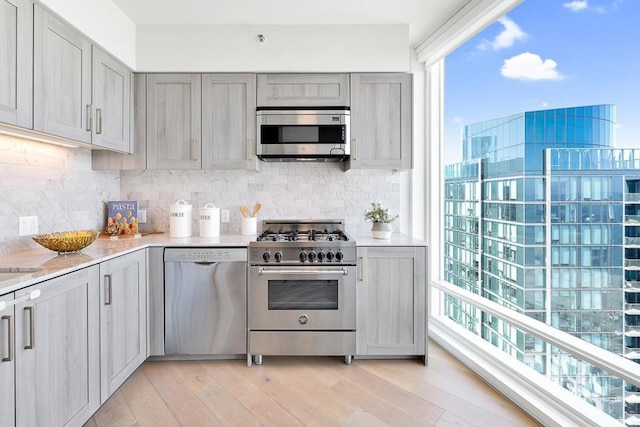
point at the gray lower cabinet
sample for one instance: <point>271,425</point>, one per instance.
<point>7,363</point>
<point>155,301</point>
<point>16,62</point>
<point>303,90</point>
<point>381,121</point>
<point>391,301</point>
<point>229,121</point>
<point>123,319</point>
<point>61,78</point>
<point>111,102</point>
<point>57,351</point>
<point>174,113</point>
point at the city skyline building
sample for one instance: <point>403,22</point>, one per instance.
<point>542,215</point>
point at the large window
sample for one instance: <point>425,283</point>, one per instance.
<point>541,197</point>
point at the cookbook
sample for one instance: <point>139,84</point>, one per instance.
<point>122,218</point>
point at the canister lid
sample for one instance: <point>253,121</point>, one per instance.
<point>181,205</point>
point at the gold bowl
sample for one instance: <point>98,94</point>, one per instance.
<point>65,242</point>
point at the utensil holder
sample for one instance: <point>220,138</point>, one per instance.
<point>249,226</point>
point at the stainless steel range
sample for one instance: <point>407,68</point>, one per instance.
<point>302,290</point>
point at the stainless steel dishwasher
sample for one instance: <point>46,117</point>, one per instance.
<point>205,301</point>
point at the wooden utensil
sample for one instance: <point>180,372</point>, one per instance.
<point>256,208</point>
<point>245,211</point>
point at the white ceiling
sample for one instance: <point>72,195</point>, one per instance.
<point>422,16</point>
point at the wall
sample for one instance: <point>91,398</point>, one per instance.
<point>54,183</point>
<point>103,22</point>
<point>285,190</point>
<point>288,48</point>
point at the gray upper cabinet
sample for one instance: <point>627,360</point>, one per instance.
<point>381,121</point>
<point>123,319</point>
<point>62,78</point>
<point>58,351</point>
<point>303,90</point>
<point>174,121</point>
<point>111,102</point>
<point>229,121</point>
<point>137,160</point>
<point>391,301</point>
<point>16,62</point>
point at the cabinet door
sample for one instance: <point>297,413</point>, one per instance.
<point>303,90</point>
<point>57,351</point>
<point>155,309</point>
<point>16,62</point>
<point>228,121</point>
<point>123,319</point>
<point>381,121</point>
<point>173,121</point>
<point>111,102</point>
<point>106,159</point>
<point>7,364</point>
<point>391,295</point>
<point>62,79</point>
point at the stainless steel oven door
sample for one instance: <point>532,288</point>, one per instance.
<point>302,298</point>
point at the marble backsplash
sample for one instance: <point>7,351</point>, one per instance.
<point>58,185</point>
<point>285,190</point>
<point>55,183</point>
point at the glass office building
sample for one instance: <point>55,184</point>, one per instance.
<point>542,215</point>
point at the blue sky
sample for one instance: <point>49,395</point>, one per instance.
<point>548,54</point>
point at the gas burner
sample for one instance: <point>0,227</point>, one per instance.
<point>303,235</point>
<point>287,242</point>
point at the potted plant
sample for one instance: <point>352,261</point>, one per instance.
<point>379,216</point>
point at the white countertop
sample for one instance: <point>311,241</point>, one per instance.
<point>397,239</point>
<point>52,264</point>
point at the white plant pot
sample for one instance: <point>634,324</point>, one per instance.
<point>381,230</point>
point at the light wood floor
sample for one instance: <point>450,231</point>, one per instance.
<point>312,391</point>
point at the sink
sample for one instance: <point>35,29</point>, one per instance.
<point>8,273</point>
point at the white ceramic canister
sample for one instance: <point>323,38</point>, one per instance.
<point>180,219</point>
<point>209,221</point>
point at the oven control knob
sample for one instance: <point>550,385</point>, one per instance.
<point>303,319</point>
<point>330,256</point>
<point>278,256</point>
<point>339,256</point>
<point>266,256</point>
<point>320,256</point>
<point>303,256</point>
<point>312,256</point>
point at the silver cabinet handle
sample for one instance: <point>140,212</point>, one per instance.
<point>107,289</point>
<point>99,118</point>
<point>31,329</point>
<point>194,149</point>
<point>89,119</point>
<point>361,269</point>
<point>354,145</point>
<point>9,319</point>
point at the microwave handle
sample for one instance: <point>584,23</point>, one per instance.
<point>354,151</point>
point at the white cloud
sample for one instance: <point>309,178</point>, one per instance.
<point>458,119</point>
<point>529,66</point>
<point>576,5</point>
<point>506,38</point>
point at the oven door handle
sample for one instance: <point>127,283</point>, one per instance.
<point>341,272</point>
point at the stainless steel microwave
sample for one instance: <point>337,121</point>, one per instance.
<point>303,134</point>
